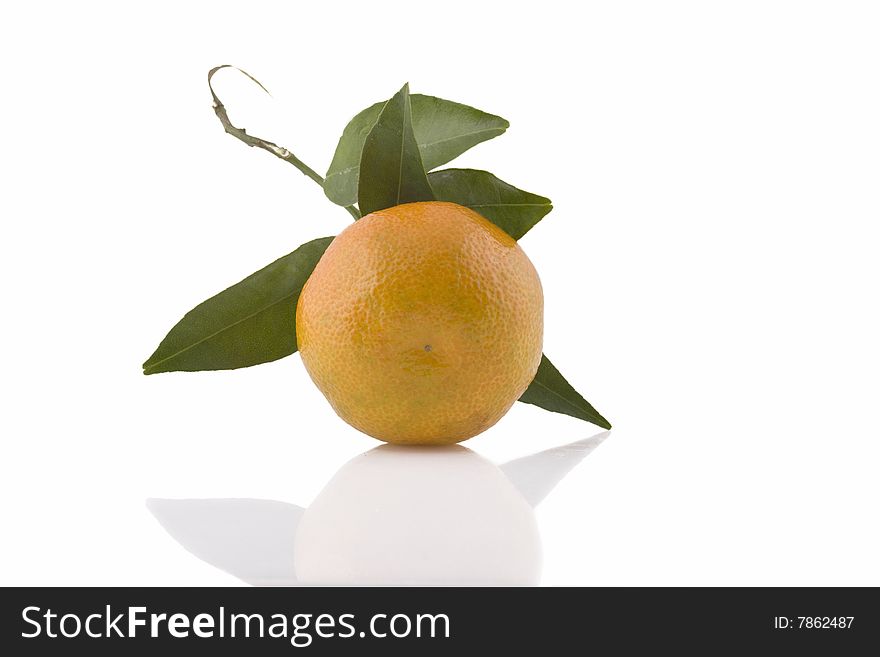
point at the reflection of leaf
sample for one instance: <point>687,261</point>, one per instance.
<point>511,209</point>
<point>552,392</point>
<point>391,165</point>
<point>536,475</point>
<point>252,322</point>
<point>251,539</point>
<point>443,130</point>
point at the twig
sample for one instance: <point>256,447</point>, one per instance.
<point>275,149</point>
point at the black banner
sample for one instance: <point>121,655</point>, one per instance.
<point>111,621</point>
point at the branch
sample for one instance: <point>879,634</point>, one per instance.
<point>275,149</point>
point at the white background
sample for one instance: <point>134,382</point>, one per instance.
<point>710,270</point>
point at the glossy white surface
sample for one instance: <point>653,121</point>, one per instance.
<point>391,516</point>
<point>710,272</point>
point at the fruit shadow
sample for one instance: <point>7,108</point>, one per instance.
<point>390,516</point>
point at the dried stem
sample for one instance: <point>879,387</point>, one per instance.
<point>275,149</point>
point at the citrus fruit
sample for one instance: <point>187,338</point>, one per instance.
<point>422,323</point>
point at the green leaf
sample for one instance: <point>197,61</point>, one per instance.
<point>443,130</point>
<point>509,208</point>
<point>391,165</point>
<point>552,392</point>
<point>252,322</point>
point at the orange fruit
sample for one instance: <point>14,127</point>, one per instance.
<point>422,323</point>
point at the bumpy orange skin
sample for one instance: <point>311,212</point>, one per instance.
<point>422,323</point>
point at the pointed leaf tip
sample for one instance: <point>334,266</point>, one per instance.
<point>552,392</point>
<point>443,130</point>
<point>391,165</point>
<point>252,322</point>
<point>513,210</point>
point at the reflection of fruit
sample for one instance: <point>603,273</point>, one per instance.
<point>422,323</point>
<point>424,516</point>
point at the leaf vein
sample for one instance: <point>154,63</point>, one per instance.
<point>564,399</point>
<point>508,205</point>
<point>460,136</point>
<point>218,332</point>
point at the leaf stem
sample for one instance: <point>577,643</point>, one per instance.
<point>276,150</point>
